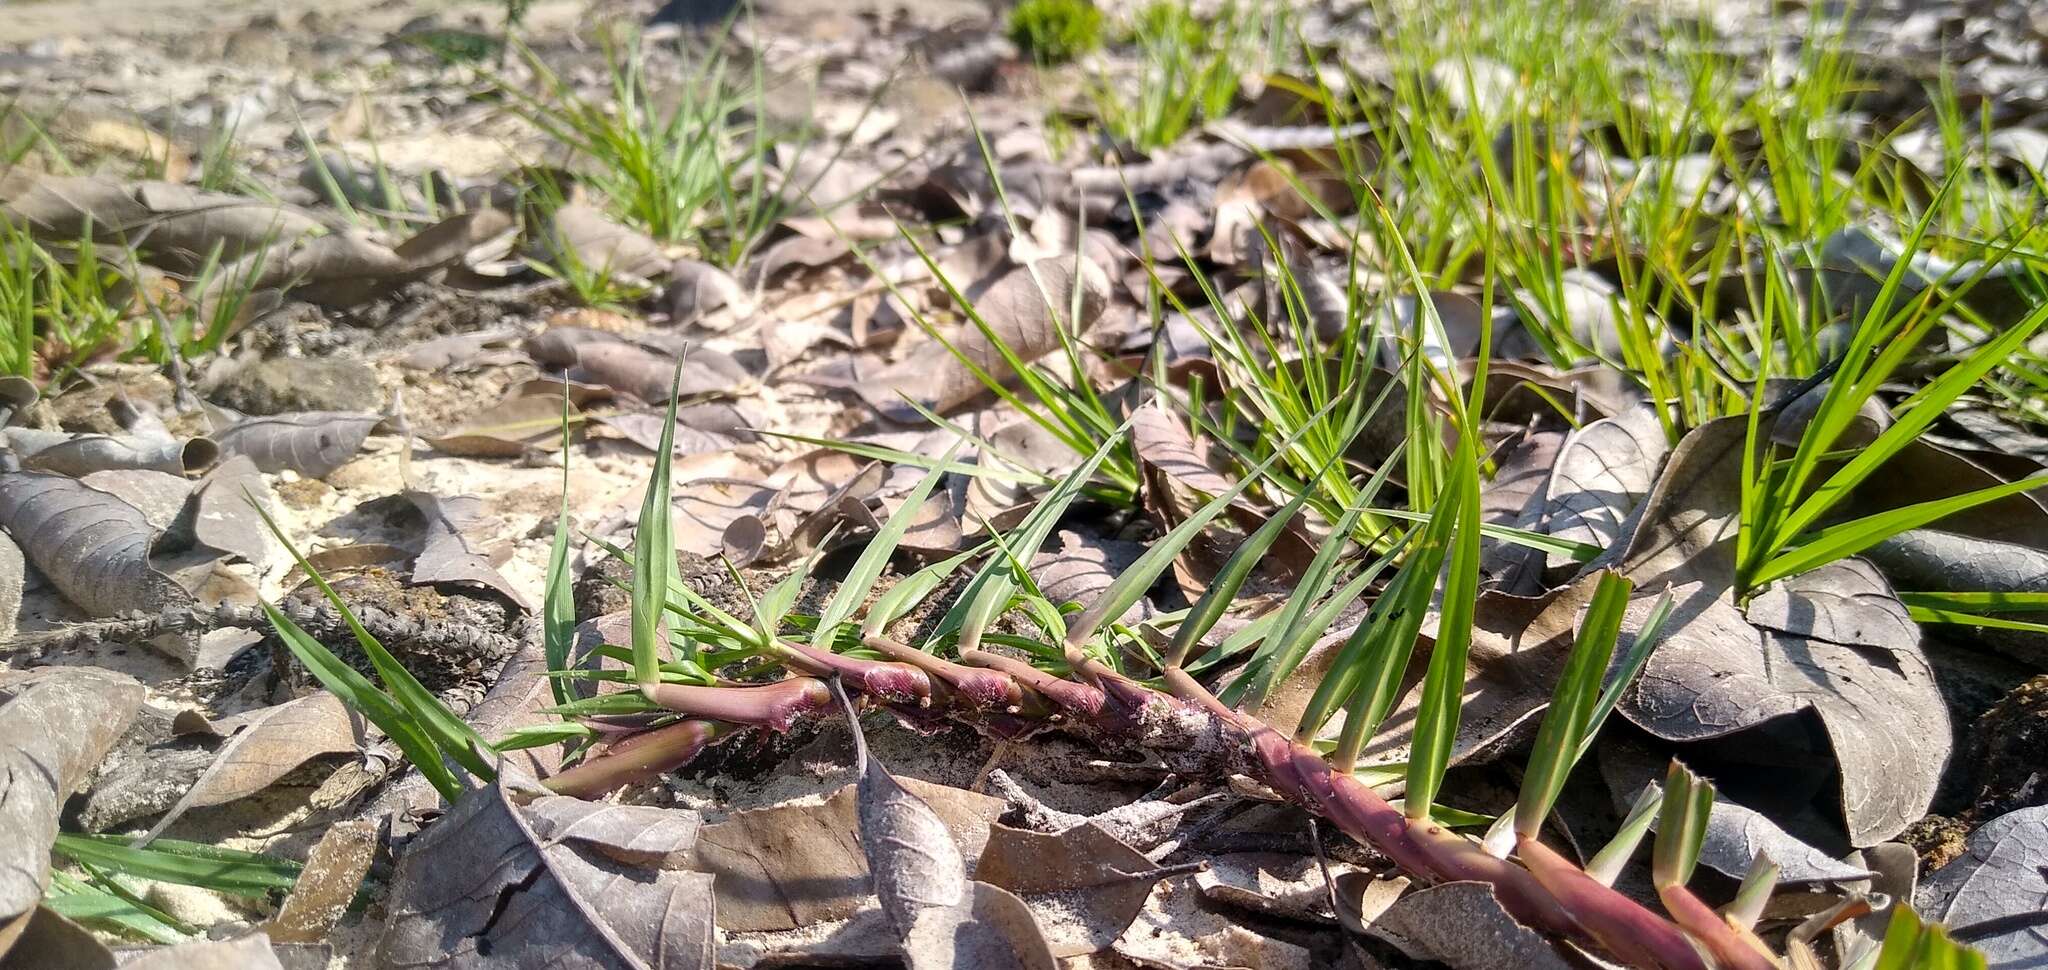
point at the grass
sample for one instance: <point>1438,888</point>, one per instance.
<point>1477,180</point>
<point>58,309</point>
<point>690,659</point>
<point>391,203</point>
<point>1189,69</point>
<point>1480,180</point>
<point>1056,31</point>
<point>692,160</point>
<point>107,893</point>
<point>64,306</point>
<point>1471,177</point>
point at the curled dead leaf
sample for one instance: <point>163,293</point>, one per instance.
<point>311,443</point>
<point>81,454</point>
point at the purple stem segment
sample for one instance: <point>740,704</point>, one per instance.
<point>639,758</point>
<point>981,688</point>
<point>1625,929</point>
<point>890,683</point>
<point>1069,696</point>
<point>1730,949</point>
<point>774,706</point>
<point>1566,905</point>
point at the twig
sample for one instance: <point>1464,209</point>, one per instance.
<point>317,617</point>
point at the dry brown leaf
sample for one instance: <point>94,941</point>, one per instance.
<point>1015,310</point>
<point>697,289</point>
<point>989,930</point>
<point>700,428</point>
<point>787,866</point>
<point>1514,497</point>
<point>78,455</point>
<point>594,241</point>
<point>2001,876</point>
<point>92,546</point>
<point>334,870</point>
<point>484,885</point>
<point>13,576</point>
<point>1603,470</point>
<point>16,394</point>
<point>175,225</point>
<point>1272,188</point>
<point>1083,884</point>
<point>460,352</point>
<point>45,940</point>
<point>263,746</point>
<point>636,835</point>
<point>707,507</point>
<point>252,952</point>
<point>55,726</point>
<point>594,356</point>
<point>161,497</point>
<point>451,554</point>
<point>1923,472</point>
<point>1179,478</point>
<point>1006,492</point>
<point>946,921</point>
<point>219,515</point>
<point>1461,924</point>
<point>507,429</point>
<point>1083,566</point>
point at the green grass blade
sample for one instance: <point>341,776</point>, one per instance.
<point>1569,720</point>
<point>910,591</point>
<point>1631,665</point>
<point>558,605</point>
<point>1979,602</point>
<point>860,578</point>
<point>1127,588</point>
<point>451,734</point>
<point>1443,687</point>
<point>686,605</point>
<point>898,456</point>
<point>1578,551</point>
<point>1925,614</point>
<point>1849,538</point>
<point>226,871</point>
<point>76,899</point>
<point>1682,828</point>
<point>1030,534</point>
<point>1606,864</point>
<point>1236,570</point>
<point>536,735</point>
<point>654,549</point>
<point>1919,412</point>
<point>357,692</point>
<point>1369,666</point>
<point>1910,944</point>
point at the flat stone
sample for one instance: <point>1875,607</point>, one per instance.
<point>283,385</point>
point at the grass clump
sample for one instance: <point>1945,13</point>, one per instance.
<point>62,307</point>
<point>697,160</point>
<point>1056,31</point>
<point>1189,70</point>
